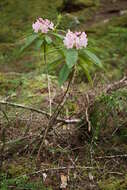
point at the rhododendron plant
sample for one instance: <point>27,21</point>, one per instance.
<point>71,47</point>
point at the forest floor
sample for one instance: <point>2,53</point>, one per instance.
<point>72,156</point>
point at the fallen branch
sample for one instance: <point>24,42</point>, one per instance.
<point>66,121</point>
<point>106,89</point>
<point>63,168</point>
<point>116,85</point>
<point>16,141</point>
<point>115,173</point>
<point>25,107</point>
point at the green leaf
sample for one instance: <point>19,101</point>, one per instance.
<point>48,40</point>
<point>38,44</point>
<point>71,57</point>
<point>85,58</point>
<point>29,40</point>
<point>93,58</point>
<point>60,36</point>
<point>54,64</point>
<point>85,69</point>
<point>63,75</point>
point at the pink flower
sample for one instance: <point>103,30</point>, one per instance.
<point>75,39</point>
<point>36,26</point>
<point>83,40</point>
<point>42,25</point>
<point>69,39</point>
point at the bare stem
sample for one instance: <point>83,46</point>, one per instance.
<point>63,100</point>
<point>48,80</point>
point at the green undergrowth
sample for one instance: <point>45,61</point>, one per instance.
<point>22,182</point>
<point>113,183</point>
<point>110,114</point>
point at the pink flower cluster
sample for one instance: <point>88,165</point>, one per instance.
<point>42,25</point>
<point>75,39</point>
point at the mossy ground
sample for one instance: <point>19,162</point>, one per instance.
<point>113,184</point>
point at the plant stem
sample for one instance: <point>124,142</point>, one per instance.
<point>48,80</point>
<point>63,100</point>
<point>54,117</point>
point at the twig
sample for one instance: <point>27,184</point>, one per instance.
<point>110,157</point>
<point>116,173</point>
<point>5,115</point>
<point>3,139</point>
<point>17,140</point>
<point>69,121</point>
<point>87,115</point>
<point>63,168</point>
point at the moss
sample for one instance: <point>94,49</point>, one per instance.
<point>113,184</point>
<point>120,21</point>
<point>33,91</point>
<point>18,166</point>
<point>88,2</point>
<point>85,174</point>
<point>16,170</point>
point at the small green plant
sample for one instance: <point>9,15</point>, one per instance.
<point>110,113</point>
<point>19,183</point>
